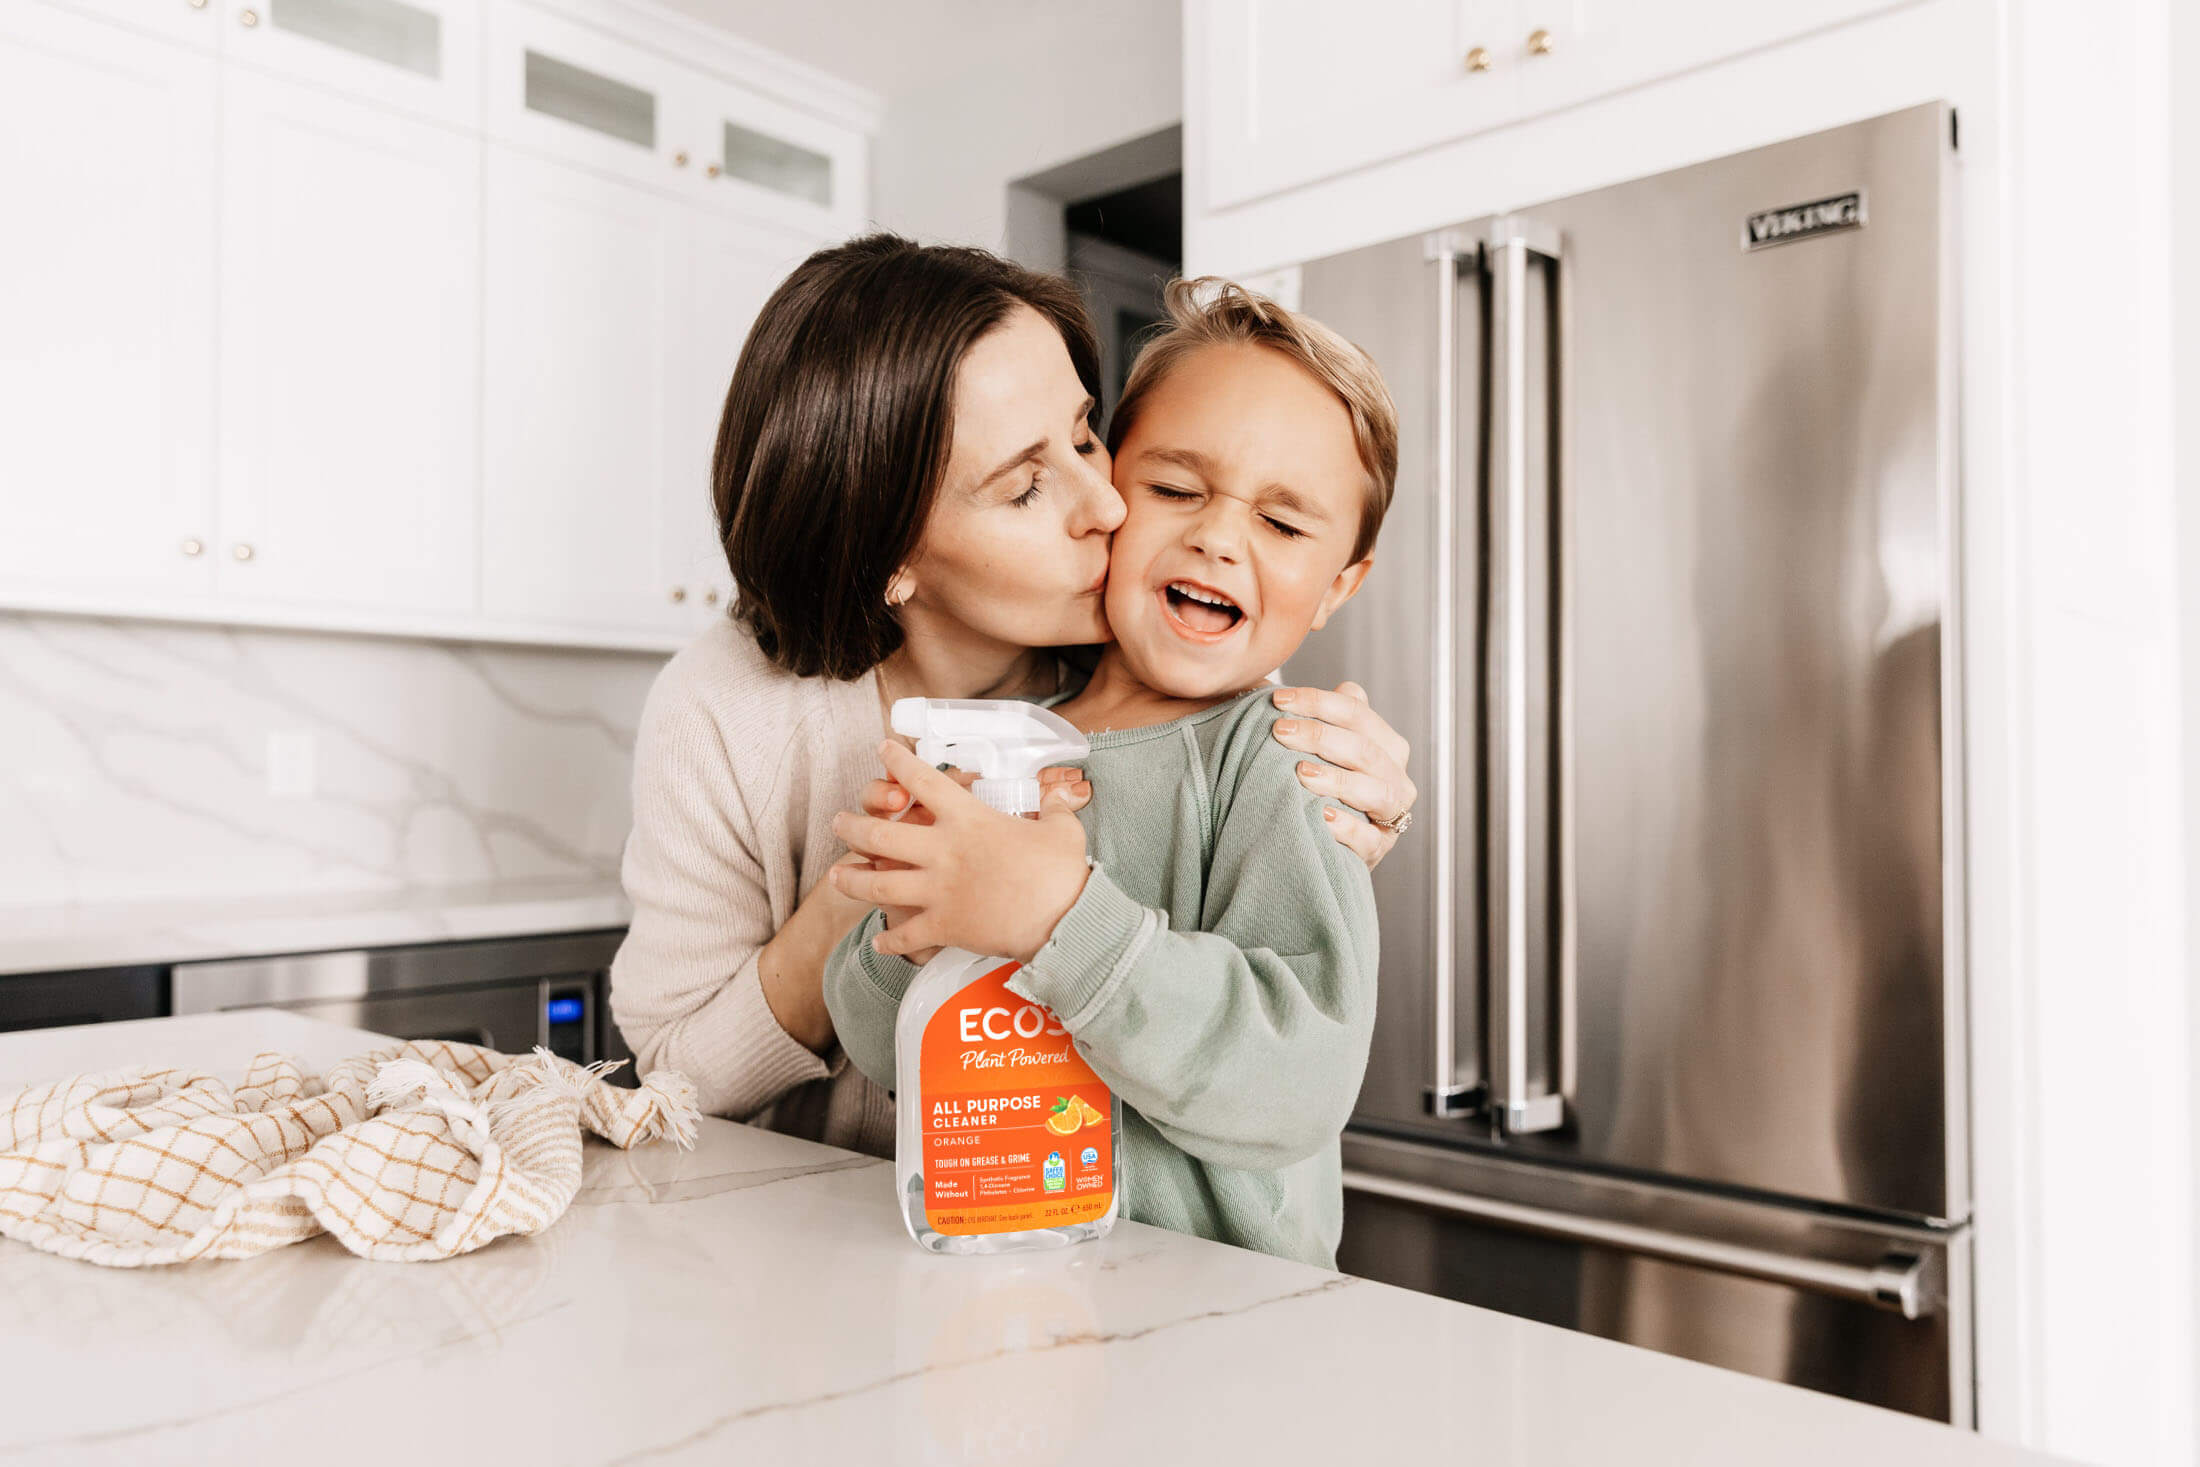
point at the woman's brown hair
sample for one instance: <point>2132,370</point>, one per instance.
<point>837,430</point>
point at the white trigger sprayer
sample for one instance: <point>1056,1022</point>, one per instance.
<point>1005,743</point>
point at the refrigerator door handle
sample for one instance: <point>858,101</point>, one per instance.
<point>1522,1105</point>
<point>1445,1096</point>
<point>1904,1283</point>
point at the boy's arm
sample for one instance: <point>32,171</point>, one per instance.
<point>863,992</point>
<point>1245,1043</point>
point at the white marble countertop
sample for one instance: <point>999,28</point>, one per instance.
<point>756,1301</point>
<point>56,938</point>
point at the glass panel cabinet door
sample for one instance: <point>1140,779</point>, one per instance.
<point>420,56</point>
<point>774,162</point>
<point>567,92</point>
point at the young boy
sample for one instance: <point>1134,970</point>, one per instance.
<point>1214,956</point>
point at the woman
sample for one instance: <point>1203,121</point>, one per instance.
<point>914,502</point>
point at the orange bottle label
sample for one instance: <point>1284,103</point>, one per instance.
<point>1017,1128</point>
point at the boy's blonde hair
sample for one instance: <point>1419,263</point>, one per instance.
<point>1211,311</point>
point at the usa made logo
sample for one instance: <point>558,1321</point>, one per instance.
<point>1803,221</point>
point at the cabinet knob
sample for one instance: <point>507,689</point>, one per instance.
<point>679,594</point>
<point>710,597</point>
<point>680,159</point>
<point>248,18</point>
<point>710,170</point>
<point>193,547</point>
<point>1478,59</point>
<point>241,550</point>
<point>1540,42</point>
<point>198,4</point>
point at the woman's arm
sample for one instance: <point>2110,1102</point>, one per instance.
<point>791,966</point>
<point>704,983</point>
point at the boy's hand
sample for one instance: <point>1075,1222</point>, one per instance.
<point>886,799</point>
<point>972,878</point>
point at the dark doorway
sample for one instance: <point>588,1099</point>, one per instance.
<point>1122,248</point>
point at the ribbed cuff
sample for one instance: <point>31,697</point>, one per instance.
<point>1090,945</point>
<point>752,1060</point>
<point>890,974</point>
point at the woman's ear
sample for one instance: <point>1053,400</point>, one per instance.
<point>899,588</point>
<point>1341,590</point>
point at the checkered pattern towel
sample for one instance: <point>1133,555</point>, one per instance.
<point>426,1150</point>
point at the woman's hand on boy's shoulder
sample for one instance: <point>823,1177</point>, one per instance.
<point>1359,760</point>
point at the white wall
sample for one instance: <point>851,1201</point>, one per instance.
<point>2184,61</point>
<point>142,761</point>
<point>2080,805</point>
<point>1059,82</point>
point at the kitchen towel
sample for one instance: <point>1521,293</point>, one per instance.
<point>426,1150</point>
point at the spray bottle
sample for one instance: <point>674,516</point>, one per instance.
<point>1005,1138</point>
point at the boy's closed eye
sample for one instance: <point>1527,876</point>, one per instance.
<point>1170,492</point>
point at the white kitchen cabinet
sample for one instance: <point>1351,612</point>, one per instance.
<point>193,23</point>
<point>279,345</point>
<point>580,276</point>
<point>350,353</point>
<point>416,56</point>
<point>730,267</point>
<point>1290,91</point>
<point>107,292</point>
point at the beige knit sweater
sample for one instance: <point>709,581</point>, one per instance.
<point>739,768</point>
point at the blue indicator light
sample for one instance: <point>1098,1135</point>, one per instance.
<point>565,1010</point>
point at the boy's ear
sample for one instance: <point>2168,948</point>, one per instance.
<point>1341,590</point>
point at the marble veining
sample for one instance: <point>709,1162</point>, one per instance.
<point>654,1175</point>
<point>138,761</point>
<point>1057,1342</point>
<point>784,1317</point>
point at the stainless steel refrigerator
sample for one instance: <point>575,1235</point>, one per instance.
<point>1671,1036</point>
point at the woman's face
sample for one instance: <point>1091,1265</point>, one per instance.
<point>1016,549</point>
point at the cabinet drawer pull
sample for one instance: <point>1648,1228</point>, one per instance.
<point>248,18</point>
<point>193,546</point>
<point>679,594</point>
<point>1478,59</point>
<point>241,550</point>
<point>1540,42</point>
<point>680,159</point>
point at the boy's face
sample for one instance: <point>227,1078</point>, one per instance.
<point>1242,487</point>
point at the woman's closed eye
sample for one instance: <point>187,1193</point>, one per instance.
<point>1288,531</point>
<point>1024,499</point>
<point>1166,491</point>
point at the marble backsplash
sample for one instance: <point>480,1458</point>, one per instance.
<point>149,761</point>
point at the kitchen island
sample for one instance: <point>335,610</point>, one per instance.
<point>755,1300</point>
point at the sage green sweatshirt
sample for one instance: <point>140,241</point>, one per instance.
<point>1218,972</point>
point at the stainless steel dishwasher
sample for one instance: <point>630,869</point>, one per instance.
<point>509,994</point>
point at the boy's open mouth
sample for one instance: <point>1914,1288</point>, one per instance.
<point>1205,614</point>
